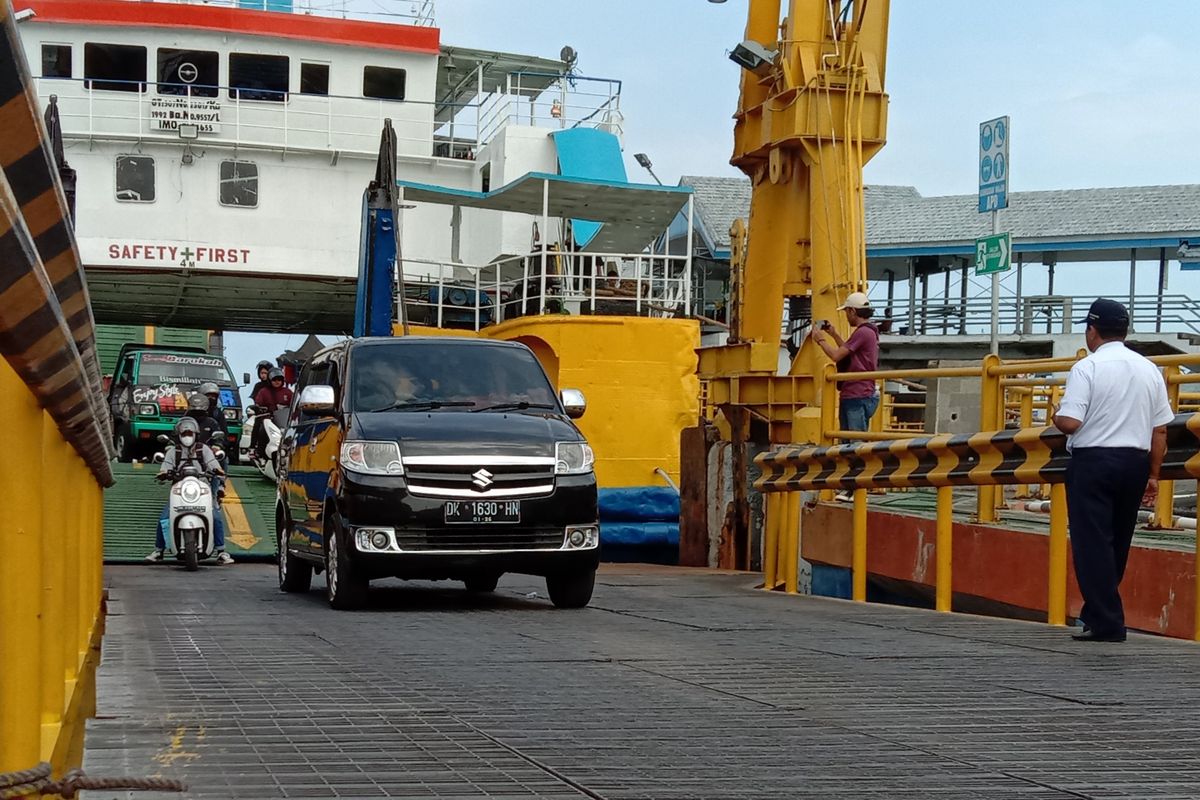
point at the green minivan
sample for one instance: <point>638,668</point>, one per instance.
<point>149,391</point>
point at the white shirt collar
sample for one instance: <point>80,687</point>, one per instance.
<point>1117,343</point>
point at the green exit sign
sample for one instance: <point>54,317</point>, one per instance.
<point>993,254</point>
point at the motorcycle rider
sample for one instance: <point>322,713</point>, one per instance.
<point>263,371</point>
<point>213,392</point>
<point>187,434</point>
<point>271,399</point>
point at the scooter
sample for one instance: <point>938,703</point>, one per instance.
<point>273,425</point>
<point>190,508</point>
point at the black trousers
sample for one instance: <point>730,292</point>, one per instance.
<point>1104,492</point>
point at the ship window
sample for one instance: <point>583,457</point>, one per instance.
<point>239,184</point>
<point>184,71</point>
<point>56,61</point>
<point>384,83</point>
<point>314,79</point>
<point>255,77</point>
<point>114,67</point>
<point>135,179</point>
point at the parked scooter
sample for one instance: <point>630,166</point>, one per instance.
<point>268,461</point>
<point>191,508</point>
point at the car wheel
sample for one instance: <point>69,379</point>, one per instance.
<point>482,584</point>
<point>571,589</point>
<point>123,444</point>
<point>295,574</point>
<point>344,587</point>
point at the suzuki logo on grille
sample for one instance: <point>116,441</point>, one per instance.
<point>482,479</point>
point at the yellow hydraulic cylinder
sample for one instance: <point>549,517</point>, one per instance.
<point>21,672</point>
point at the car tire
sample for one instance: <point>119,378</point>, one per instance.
<point>295,574</point>
<point>482,584</point>
<point>123,444</point>
<point>345,588</point>
<point>571,589</point>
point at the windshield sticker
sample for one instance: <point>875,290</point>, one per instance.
<point>170,358</point>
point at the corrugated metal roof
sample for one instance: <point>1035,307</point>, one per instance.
<point>900,215</point>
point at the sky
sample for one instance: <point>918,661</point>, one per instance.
<point>1101,93</point>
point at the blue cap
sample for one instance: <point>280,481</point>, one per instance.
<point>1106,313</point>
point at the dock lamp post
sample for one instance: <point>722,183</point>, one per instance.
<point>644,162</point>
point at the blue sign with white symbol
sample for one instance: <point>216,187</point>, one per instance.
<point>993,165</point>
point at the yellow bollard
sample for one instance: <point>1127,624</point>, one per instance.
<point>859,556</point>
<point>54,515</point>
<point>1056,604</point>
<point>770,541</point>
<point>791,570</point>
<point>945,535</point>
<point>20,575</point>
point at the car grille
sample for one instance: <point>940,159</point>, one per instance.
<point>480,480</point>
<point>490,538</point>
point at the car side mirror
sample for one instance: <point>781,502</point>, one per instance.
<point>317,399</point>
<point>574,402</point>
<point>246,378</point>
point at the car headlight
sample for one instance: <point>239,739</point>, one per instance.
<point>230,413</point>
<point>148,410</point>
<point>372,458</point>
<point>573,458</point>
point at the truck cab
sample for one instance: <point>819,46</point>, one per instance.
<point>149,390</point>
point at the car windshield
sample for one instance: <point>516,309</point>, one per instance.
<point>424,377</point>
<point>181,368</point>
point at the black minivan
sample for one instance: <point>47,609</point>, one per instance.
<point>435,458</point>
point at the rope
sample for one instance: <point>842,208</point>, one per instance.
<point>29,782</point>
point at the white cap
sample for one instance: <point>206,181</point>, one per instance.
<point>855,300</point>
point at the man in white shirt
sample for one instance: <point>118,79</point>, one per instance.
<point>1115,413</point>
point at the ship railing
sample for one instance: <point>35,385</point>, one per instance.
<point>252,118</point>
<point>446,294</point>
<point>1032,315</point>
<point>408,12</point>
<point>570,101</point>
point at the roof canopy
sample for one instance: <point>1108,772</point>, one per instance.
<point>458,84</point>
<point>632,214</point>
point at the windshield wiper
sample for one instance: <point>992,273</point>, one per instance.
<point>421,405</point>
<point>518,406</point>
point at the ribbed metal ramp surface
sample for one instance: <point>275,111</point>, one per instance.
<point>132,507</point>
<point>675,684</point>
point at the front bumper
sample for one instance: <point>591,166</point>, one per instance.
<point>430,548</point>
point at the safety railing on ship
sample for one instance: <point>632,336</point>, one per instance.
<point>410,12</point>
<point>570,101</point>
<point>449,295</point>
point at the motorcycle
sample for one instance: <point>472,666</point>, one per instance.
<point>190,510</point>
<point>273,424</point>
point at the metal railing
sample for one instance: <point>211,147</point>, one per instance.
<point>251,118</point>
<point>1040,314</point>
<point>569,102</point>
<point>443,294</point>
<point>410,12</point>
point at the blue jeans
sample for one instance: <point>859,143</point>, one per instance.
<point>855,412</point>
<point>160,537</point>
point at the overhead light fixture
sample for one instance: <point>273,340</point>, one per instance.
<point>24,14</point>
<point>188,130</point>
<point>752,56</point>
<point>643,161</point>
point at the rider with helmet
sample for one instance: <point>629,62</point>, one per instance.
<point>189,446</point>
<point>263,371</point>
<point>271,398</point>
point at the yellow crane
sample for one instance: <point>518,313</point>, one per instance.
<point>812,112</point>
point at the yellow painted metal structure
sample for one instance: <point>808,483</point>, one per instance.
<point>637,373</point>
<point>56,447</point>
<point>806,125</point>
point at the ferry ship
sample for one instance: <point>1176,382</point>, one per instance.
<point>222,152</point>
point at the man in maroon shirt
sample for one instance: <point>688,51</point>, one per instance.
<point>859,353</point>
